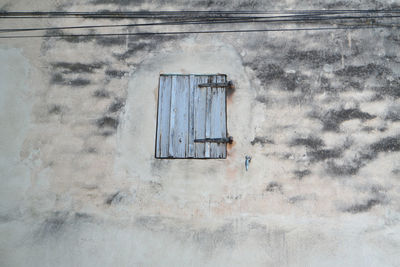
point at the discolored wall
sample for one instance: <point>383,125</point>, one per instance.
<point>318,112</point>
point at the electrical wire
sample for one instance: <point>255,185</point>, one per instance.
<point>196,32</point>
<point>213,21</point>
<point>169,14</point>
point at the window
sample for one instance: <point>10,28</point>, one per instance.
<point>191,120</point>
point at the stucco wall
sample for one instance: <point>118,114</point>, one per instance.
<point>318,112</point>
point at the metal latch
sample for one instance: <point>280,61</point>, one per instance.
<point>215,85</point>
<point>215,140</point>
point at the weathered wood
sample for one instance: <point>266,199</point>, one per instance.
<point>163,127</point>
<point>187,112</point>
<point>216,85</point>
<point>190,144</point>
<point>200,116</point>
<point>179,116</point>
<point>222,116</point>
<point>218,119</point>
<point>207,148</point>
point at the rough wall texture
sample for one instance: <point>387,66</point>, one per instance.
<point>318,111</point>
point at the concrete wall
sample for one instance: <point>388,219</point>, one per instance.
<point>318,111</point>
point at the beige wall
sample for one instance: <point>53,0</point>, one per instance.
<point>317,111</point>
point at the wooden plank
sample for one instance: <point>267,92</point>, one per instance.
<point>207,148</point>
<point>163,127</point>
<point>171,143</point>
<point>219,119</point>
<point>200,102</point>
<point>190,152</point>
<point>179,116</point>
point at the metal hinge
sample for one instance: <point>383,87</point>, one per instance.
<point>215,85</point>
<point>215,140</point>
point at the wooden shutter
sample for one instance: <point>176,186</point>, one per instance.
<point>191,108</point>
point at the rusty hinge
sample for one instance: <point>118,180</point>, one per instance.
<point>215,140</point>
<point>215,85</point>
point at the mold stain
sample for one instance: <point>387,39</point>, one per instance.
<point>388,144</point>
<point>67,67</point>
<point>295,199</point>
<point>332,119</point>
<point>107,122</point>
<point>363,71</point>
<point>301,174</point>
<point>358,208</point>
<point>53,225</point>
<point>315,58</point>
<point>310,142</point>
<point>55,109</point>
<point>58,79</point>
<point>262,140</point>
<point>323,154</point>
<point>273,187</point>
<point>116,73</point>
<point>78,82</point>
<point>116,106</point>
<point>101,94</point>
<point>114,198</point>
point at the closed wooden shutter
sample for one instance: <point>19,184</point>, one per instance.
<point>191,110</point>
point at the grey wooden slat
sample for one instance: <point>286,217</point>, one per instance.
<point>219,119</point>
<point>214,119</point>
<point>159,114</point>
<point>200,115</point>
<point>163,127</point>
<point>172,133</point>
<point>179,116</point>
<point>192,89</point>
<point>207,148</point>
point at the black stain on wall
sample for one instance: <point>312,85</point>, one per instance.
<point>295,199</point>
<point>273,187</point>
<point>78,82</point>
<point>53,225</point>
<point>55,109</point>
<point>315,58</point>
<point>107,122</point>
<point>102,93</point>
<point>262,140</point>
<point>114,198</point>
<point>357,208</point>
<point>332,119</point>
<point>116,105</point>
<point>364,71</point>
<point>391,88</point>
<point>58,79</point>
<point>108,41</point>
<point>388,144</point>
<point>310,142</point>
<point>323,154</point>
<point>301,174</point>
<point>66,67</point>
<point>116,73</point>
<point>345,169</point>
